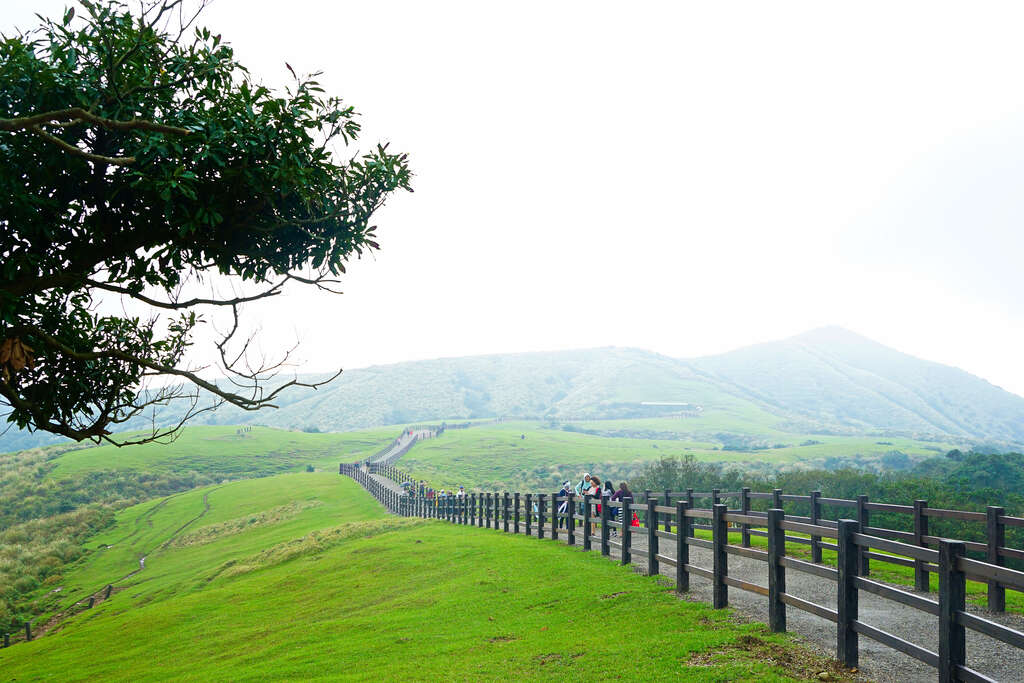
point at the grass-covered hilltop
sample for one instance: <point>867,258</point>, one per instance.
<point>304,576</point>
<point>824,382</point>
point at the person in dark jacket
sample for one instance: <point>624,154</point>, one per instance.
<point>619,495</point>
<point>564,507</point>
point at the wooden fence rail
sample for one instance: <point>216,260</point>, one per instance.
<point>669,531</point>
<point>994,521</point>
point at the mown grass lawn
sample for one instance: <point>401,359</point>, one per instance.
<point>226,451</point>
<point>341,591</point>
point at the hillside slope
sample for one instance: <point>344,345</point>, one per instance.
<point>303,577</point>
<point>827,380</point>
<point>836,376</point>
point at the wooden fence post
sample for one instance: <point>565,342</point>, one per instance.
<point>652,537</point>
<point>777,499</point>
<point>515,512</point>
<point>497,511</point>
<point>106,594</point>
<point>952,599</point>
<point>776,572</point>
<point>487,511</point>
<point>846,602</point>
<point>920,531</point>
<point>625,556</point>
<point>540,514</point>
<point>815,518</point>
<point>716,495</point>
<point>720,560</point>
<point>554,517</point>
<point>689,497</point>
<point>605,548</point>
<point>667,519</point>
<point>995,535</point>
<point>529,512</point>
<point>570,519</point>
<point>586,521</point>
<point>28,630</point>
<point>505,503</point>
<point>682,548</point>
<point>864,519</point>
<point>745,510</point>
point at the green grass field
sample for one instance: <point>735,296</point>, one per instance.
<point>496,457</point>
<point>225,451</point>
<point>303,576</point>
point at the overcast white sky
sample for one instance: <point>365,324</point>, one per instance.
<point>682,177</point>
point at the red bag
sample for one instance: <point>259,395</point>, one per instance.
<point>636,520</point>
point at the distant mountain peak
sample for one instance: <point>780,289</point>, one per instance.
<point>830,334</point>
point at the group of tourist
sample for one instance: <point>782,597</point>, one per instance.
<point>588,485</point>
<point>433,496</point>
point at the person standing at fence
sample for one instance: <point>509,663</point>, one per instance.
<point>582,488</point>
<point>595,490</point>
<point>565,503</point>
<point>622,494</point>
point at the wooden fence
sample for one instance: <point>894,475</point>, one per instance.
<point>669,530</point>
<point>993,521</point>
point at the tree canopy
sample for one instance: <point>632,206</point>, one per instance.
<point>139,159</point>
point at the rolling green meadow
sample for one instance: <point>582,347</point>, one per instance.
<point>239,553</point>
<point>54,501</point>
<point>304,576</point>
<point>226,451</point>
<point>497,456</point>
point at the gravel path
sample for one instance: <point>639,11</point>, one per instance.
<point>879,662</point>
<point>400,445</point>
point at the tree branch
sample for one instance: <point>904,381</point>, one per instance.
<point>175,305</point>
<point>69,115</point>
<point>71,149</point>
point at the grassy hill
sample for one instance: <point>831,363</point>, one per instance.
<point>301,576</point>
<point>50,500</point>
<point>228,452</point>
<point>498,457</point>
<point>828,381</point>
<point>838,377</point>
